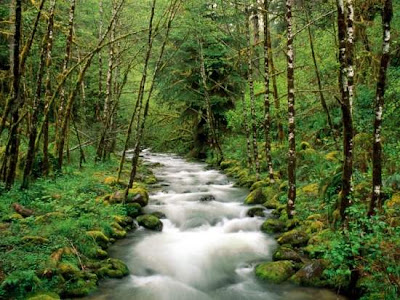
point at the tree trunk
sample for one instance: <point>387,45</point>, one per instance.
<point>376,200</point>
<point>291,111</point>
<point>345,31</point>
<point>30,155</point>
<point>11,155</point>
<point>267,113</point>
<point>252,99</point>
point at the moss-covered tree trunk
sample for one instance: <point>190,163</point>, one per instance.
<point>376,200</point>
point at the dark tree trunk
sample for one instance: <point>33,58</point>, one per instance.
<point>376,200</point>
<point>291,111</point>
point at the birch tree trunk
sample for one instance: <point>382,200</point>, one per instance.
<point>291,111</point>
<point>267,113</point>
<point>376,199</point>
<point>252,99</point>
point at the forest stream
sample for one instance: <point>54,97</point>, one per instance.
<point>208,247</point>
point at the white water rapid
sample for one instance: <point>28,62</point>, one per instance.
<point>207,249</point>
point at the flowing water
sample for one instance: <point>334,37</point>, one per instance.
<point>208,247</point>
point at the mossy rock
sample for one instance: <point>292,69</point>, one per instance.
<point>233,171</point>
<point>260,184</point>
<point>225,164</point>
<point>256,212</point>
<point>273,226</point>
<point>271,203</point>
<point>314,226</point>
<point>150,180</point>
<point>116,197</point>
<point>14,217</point>
<point>159,214</point>
<point>36,240</point>
<point>117,232</point>
<point>138,195</point>
<point>69,270</point>
<point>100,253</point>
<point>276,272</point>
<point>319,243</point>
<point>150,222</point>
<point>80,287</point>
<point>305,145</point>
<point>256,197</point>
<point>286,253</point>
<point>100,238</point>
<point>113,268</point>
<point>124,221</point>
<point>295,237</point>
<point>311,274</point>
<point>110,180</point>
<point>133,210</point>
<point>44,296</point>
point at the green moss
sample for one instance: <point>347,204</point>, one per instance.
<point>256,197</point>
<point>225,164</point>
<point>260,184</point>
<point>319,243</point>
<point>273,226</point>
<point>44,296</point>
<point>150,222</point>
<point>310,275</point>
<point>271,203</point>
<point>99,237</point>
<point>256,212</point>
<point>113,268</point>
<point>286,253</point>
<point>138,195</point>
<point>295,237</point>
<point>37,240</point>
<point>276,272</point>
<point>150,179</point>
<point>133,209</point>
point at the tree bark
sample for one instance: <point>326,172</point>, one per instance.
<point>291,111</point>
<point>267,104</point>
<point>252,99</point>
<point>376,199</point>
<point>345,31</point>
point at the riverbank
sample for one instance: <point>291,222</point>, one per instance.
<point>313,251</point>
<point>54,236</point>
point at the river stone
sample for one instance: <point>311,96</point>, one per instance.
<point>138,195</point>
<point>273,226</point>
<point>256,212</point>
<point>295,237</point>
<point>159,214</point>
<point>150,222</point>
<point>286,253</point>
<point>276,272</point>
<point>207,198</point>
<point>113,268</point>
<point>311,274</point>
<point>133,210</point>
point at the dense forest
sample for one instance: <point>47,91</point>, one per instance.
<point>294,100</point>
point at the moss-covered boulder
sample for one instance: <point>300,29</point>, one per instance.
<point>273,226</point>
<point>159,214</point>
<point>133,210</point>
<point>276,272</point>
<point>150,179</point>
<point>319,243</point>
<point>295,237</point>
<point>286,253</point>
<point>124,221</point>
<point>44,296</point>
<point>311,274</point>
<point>138,195</point>
<point>271,203</point>
<point>69,270</point>
<point>260,184</point>
<point>150,222</point>
<point>256,212</point>
<point>256,197</point>
<point>80,287</point>
<point>117,232</point>
<point>99,237</point>
<point>113,268</point>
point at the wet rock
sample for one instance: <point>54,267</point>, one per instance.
<point>159,214</point>
<point>276,272</point>
<point>138,195</point>
<point>150,222</point>
<point>255,197</point>
<point>286,253</point>
<point>207,198</point>
<point>117,197</point>
<point>133,210</point>
<point>124,221</point>
<point>311,274</point>
<point>273,226</point>
<point>117,231</point>
<point>256,212</point>
<point>113,268</point>
<point>295,237</point>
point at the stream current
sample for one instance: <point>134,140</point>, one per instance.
<point>208,247</point>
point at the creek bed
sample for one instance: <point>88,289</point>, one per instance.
<point>208,247</point>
